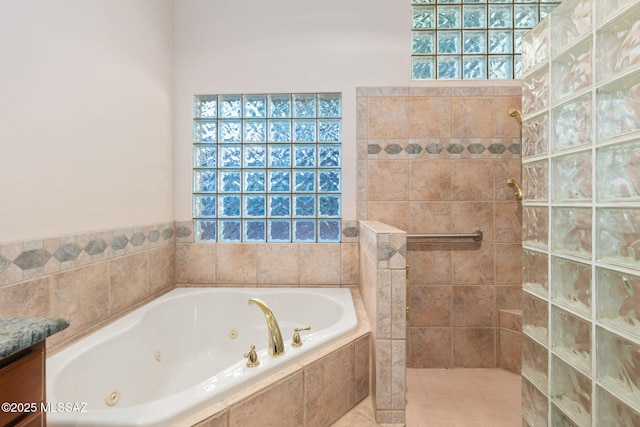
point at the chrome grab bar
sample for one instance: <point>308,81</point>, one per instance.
<point>476,236</point>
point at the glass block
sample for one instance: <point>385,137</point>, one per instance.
<point>423,17</point>
<point>230,181</point>
<point>255,106</point>
<point>304,156</point>
<point>279,231</point>
<point>254,181</point>
<point>279,106</point>
<point>534,272</point>
<point>535,135</point>
<point>546,9</point>
<point>571,231</point>
<point>329,231</point>
<point>618,364</point>
<point>449,17</point>
<point>449,42</point>
<point>279,180</point>
<point>330,180</point>
<point>255,206</point>
<point>571,391</point>
<point>304,105</point>
<point>612,412</point>
<point>423,42</point>
<point>255,131</point>
<point>571,285</point>
<point>204,206</point>
<point>255,156</point>
<point>205,106</point>
<point>535,228</point>
<point>204,157</point>
<point>571,339</point>
<point>534,318</point>
<point>330,156</point>
<point>618,236</point>
<point>518,35</point>
<point>423,68</point>
<point>204,181</point>
<point>606,8</point>
<point>500,67</point>
<point>229,206</point>
<point>618,172</point>
<point>305,206</point>
<point>571,124</point>
<point>475,16</point>
<point>329,130</point>
<point>329,105</point>
<point>329,205</point>
<point>304,231</point>
<point>255,231</point>
<point>535,359</point>
<point>525,16</point>
<point>230,156</point>
<point>500,16</point>
<point>230,131</point>
<point>204,131</point>
<point>279,156</point>
<point>572,177</point>
<point>559,418</point>
<point>617,107</point>
<point>618,300</point>
<point>535,405</point>
<point>304,130</point>
<point>535,91</point>
<point>205,231</point>
<point>617,45</point>
<point>570,21</point>
<point>230,231</point>
<point>475,42</point>
<point>279,206</point>
<point>230,106</point>
<point>535,181</point>
<point>475,67</point>
<point>304,181</point>
<point>500,41</point>
<point>280,130</point>
<point>517,67</point>
<point>571,72</point>
<point>449,67</point>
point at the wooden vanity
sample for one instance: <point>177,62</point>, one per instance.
<point>22,370</point>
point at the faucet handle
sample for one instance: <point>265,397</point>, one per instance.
<point>252,357</point>
<point>296,341</point>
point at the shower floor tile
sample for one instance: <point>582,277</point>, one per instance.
<point>452,398</point>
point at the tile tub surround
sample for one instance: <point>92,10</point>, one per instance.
<point>383,288</point>
<point>314,392</point>
<point>436,160</point>
<point>89,279</point>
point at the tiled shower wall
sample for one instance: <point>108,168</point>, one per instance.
<point>436,160</point>
<point>89,279</point>
<point>581,256</point>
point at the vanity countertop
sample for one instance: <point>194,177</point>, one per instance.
<point>16,334</point>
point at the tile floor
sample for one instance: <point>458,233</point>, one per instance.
<point>452,398</point>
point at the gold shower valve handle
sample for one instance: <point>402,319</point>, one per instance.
<point>516,113</point>
<point>518,191</point>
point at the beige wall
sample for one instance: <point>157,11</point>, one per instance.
<point>436,160</point>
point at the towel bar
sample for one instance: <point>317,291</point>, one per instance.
<point>476,236</point>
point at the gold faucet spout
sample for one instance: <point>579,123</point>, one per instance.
<point>276,344</point>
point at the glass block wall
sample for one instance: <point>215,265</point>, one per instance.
<point>472,39</point>
<point>267,167</point>
<point>581,216</point>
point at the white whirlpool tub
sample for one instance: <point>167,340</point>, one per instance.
<point>183,352</point>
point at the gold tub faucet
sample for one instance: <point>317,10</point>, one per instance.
<point>276,344</point>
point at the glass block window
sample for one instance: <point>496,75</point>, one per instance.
<point>471,39</point>
<point>267,167</point>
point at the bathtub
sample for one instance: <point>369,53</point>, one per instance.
<point>184,352</point>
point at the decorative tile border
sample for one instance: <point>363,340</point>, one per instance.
<point>442,148</point>
<point>34,258</point>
